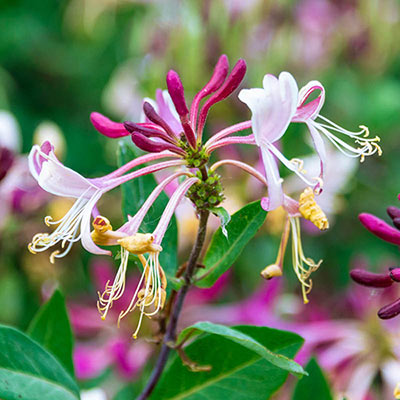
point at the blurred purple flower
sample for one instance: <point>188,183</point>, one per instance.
<point>99,345</point>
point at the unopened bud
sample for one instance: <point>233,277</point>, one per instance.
<point>371,279</point>
<point>176,91</point>
<point>390,311</point>
<point>395,274</point>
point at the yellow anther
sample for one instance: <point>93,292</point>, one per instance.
<point>47,220</point>
<point>271,271</point>
<point>101,224</point>
<point>310,210</point>
<point>140,243</point>
<point>103,233</point>
<point>396,392</point>
<point>53,256</point>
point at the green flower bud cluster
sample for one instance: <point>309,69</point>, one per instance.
<point>206,194</point>
<point>195,158</point>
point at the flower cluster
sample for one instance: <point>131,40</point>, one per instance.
<point>173,132</point>
<point>384,280</point>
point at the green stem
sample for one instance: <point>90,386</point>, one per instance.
<point>170,335</point>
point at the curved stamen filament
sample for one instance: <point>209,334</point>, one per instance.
<point>368,146</point>
<point>303,267</point>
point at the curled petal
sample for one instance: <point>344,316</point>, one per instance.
<point>275,192</point>
<point>311,109</point>
<point>56,178</point>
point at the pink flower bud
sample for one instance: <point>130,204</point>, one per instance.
<point>390,311</point>
<point>371,279</point>
<point>380,228</point>
<point>175,89</point>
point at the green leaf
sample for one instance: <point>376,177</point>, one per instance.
<point>237,373</point>
<point>224,218</point>
<point>223,251</point>
<point>28,371</point>
<point>244,340</point>
<point>134,194</point>
<point>51,328</point>
<point>314,383</point>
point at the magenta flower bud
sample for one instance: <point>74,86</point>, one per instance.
<point>393,212</point>
<point>396,222</point>
<point>220,72</point>
<point>175,89</point>
<point>6,161</point>
<point>151,146</point>
<point>395,274</point>
<point>107,127</point>
<point>390,311</point>
<point>231,83</point>
<point>371,279</point>
<point>153,116</point>
<point>380,228</point>
<point>148,132</point>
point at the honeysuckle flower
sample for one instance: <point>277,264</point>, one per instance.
<point>59,180</point>
<point>280,102</point>
<point>150,294</point>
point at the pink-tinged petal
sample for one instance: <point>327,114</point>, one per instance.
<point>54,177</point>
<point>107,127</point>
<point>86,237</point>
<point>311,109</point>
<point>167,111</point>
<point>360,381</point>
<point>35,162</point>
<point>173,202</point>
<point>380,228</point>
<point>319,147</point>
<point>275,191</point>
<point>272,107</point>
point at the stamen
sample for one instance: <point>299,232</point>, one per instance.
<point>115,291</point>
<point>275,269</point>
<point>67,230</point>
<point>310,210</point>
<point>368,146</point>
<point>303,267</point>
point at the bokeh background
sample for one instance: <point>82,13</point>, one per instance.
<point>61,60</point>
